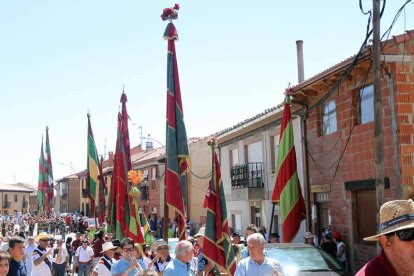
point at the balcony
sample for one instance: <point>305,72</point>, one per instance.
<point>247,181</point>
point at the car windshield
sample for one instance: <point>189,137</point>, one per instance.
<point>294,259</point>
<point>172,244</point>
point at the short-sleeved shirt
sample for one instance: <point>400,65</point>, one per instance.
<point>84,254</point>
<point>248,267</point>
<point>178,268</point>
<point>201,261</point>
<point>122,265</point>
<point>97,248</point>
<point>101,268</point>
<point>17,268</point>
<point>160,266</point>
<point>76,244</point>
<point>41,269</point>
<point>63,255</point>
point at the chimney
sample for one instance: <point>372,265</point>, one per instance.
<point>299,50</point>
<point>111,158</point>
<point>148,145</point>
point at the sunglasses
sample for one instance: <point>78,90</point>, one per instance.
<point>162,248</point>
<point>44,240</point>
<point>405,234</point>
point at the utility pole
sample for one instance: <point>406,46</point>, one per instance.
<point>379,143</point>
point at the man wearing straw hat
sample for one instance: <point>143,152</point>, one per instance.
<point>397,241</point>
<point>103,268</point>
<point>42,264</point>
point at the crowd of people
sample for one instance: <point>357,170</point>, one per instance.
<point>101,254</point>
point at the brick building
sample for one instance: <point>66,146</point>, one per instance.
<point>69,193</point>
<point>341,144</point>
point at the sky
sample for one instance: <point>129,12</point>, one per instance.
<point>60,60</point>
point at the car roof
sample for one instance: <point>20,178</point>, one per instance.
<point>287,245</point>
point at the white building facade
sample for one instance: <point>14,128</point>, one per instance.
<point>248,152</point>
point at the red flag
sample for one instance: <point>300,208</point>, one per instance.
<point>49,175</point>
<point>176,144</point>
<point>217,243</point>
<point>287,191</point>
<point>102,188</point>
<point>120,181</point>
<point>131,213</point>
<point>207,195</point>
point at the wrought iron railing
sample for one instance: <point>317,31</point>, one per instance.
<point>248,175</point>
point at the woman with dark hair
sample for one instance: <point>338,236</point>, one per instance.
<point>97,247</point>
<point>70,250</point>
<point>147,255</point>
<point>4,263</point>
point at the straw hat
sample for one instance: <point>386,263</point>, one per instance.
<point>201,232</point>
<point>42,235</point>
<point>108,246</point>
<point>395,215</point>
<point>308,235</point>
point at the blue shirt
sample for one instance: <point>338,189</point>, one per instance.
<point>248,267</point>
<point>122,265</point>
<point>17,268</point>
<point>201,261</point>
<point>178,268</point>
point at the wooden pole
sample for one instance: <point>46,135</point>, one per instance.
<point>379,143</point>
<point>166,215</point>
<point>271,218</point>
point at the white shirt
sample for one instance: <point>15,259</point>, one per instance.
<point>161,266</point>
<point>84,254</point>
<point>146,260</point>
<point>63,255</point>
<point>42,269</point>
<point>101,269</point>
<point>341,258</point>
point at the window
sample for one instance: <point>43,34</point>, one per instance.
<point>366,104</point>
<point>153,177</point>
<point>236,221</point>
<point>366,214</point>
<point>274,144</point>
<point>329,117</point>
<point>15,198</point>
<point>322,208</point>
<point>234,157</point>
<point>154,173</point>
<point>254,152</point>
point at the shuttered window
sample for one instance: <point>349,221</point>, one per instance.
<point>274,144</point>
<point>366,213</point>
<point>254,152</point>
